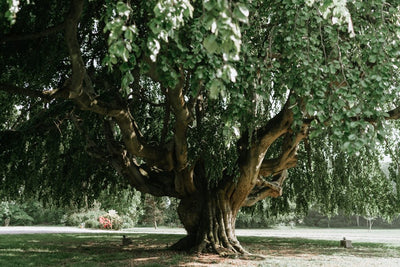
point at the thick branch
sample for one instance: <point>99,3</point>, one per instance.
<point>265,189</point>
<point>71,38</point>
<point>159,157</point>
<point>288,157</point>
<point>394,114</point>
<point>155,182</point>
<point>275,128</point>
<point>277,165</point>
<point>184,176</point>
<point>182,120</point>
<point>252,155</point>
<point>277,168</point>
<point>84,98</point>
<point>254,164</point>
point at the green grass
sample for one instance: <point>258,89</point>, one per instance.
<point>150,250</point>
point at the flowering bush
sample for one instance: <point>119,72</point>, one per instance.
<point>110,220</point>
<point>105,222</point>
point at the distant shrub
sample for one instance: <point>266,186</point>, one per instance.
<point>110,220</point>
<point>87,218</point>
<point>12,213</point>
<point>92,224</point>
<point>127,203</point>
<point>127,222</point>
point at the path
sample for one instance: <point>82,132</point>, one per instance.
<point>391,236</point>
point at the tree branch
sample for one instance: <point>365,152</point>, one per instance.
<point>71,38</point>
<point>184,176</point>
<point>288,157</point>
<point>277,168</point>
<point>144,179</point>
<point>85,99</point>
<point>394,114</point>
<point>166,120</point>
<point>265,189</point>
<point>274,128</point>
<point>251,155</point>
<point>180,110</point>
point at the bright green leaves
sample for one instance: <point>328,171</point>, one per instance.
<point>224,39</point>
<point>216,87</point>
<point>169,16</point>
<point>223,24</point>
<point>154,47</point>
<point>166,41</point>
<point>341,81</point>
<point>11,13</point>
<point>225,75</point>
<point>210,44</point>
<point>121,40</point>
<point>337,10</point>
<point>121,37</point>
<point>123,10</point>
<point>229,73</point>
<point>241,13</point>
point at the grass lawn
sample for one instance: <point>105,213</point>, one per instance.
<point>150,250</point>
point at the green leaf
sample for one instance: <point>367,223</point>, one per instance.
<point>346,146</point>
<point>188,10</point>
<point>372,58</point>
<point>215,88</point>
<point>210,44</point>
<point>352,137</point>
<point>230,73</point>
<point>208,5</point>
<point>123,9</point>
<point>124,67</point>
<point>320,93</point>
<point>241,13</point>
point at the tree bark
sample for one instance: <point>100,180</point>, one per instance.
<point>209,220</point>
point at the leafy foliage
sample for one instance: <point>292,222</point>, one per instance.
<point>200,84</point>
<point>12,213</point>
<point>333,181</point>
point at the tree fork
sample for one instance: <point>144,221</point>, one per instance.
<point>209,220</point>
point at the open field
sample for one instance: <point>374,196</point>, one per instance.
<point>105,249</point>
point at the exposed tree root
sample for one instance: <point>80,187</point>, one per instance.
<point>190,245</point>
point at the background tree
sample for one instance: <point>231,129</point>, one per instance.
<point>153,210</point>
<point>206,102</point>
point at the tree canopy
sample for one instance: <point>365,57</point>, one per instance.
<point>205,101</point>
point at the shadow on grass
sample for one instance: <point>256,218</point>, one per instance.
<point>151,250</point>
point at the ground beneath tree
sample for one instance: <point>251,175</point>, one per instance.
<point>269,247</point>
<point>387,236</point>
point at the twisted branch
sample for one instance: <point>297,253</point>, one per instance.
<point>277,168</point>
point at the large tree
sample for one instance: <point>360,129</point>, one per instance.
<point>204,101</point>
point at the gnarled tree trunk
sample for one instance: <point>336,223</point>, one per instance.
<point>209,220</point>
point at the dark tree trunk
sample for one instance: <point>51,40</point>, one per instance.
<point>209,220</point>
